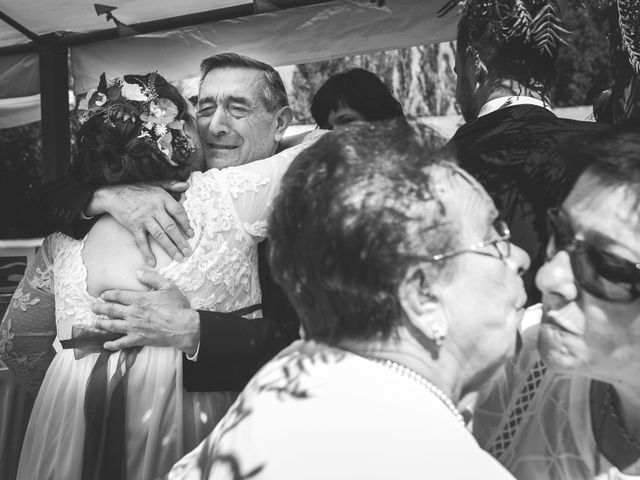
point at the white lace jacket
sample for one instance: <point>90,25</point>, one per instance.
<point>228,210</point>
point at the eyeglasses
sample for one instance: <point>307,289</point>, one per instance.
<point>604,275</point>
<point>500,243</point>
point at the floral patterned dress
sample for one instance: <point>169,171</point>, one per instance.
<point>228,210</point>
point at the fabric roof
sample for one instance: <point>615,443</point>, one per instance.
<point>280,37</point>
<point>79,16</point>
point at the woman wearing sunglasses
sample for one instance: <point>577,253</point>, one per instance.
<point>570,408</point>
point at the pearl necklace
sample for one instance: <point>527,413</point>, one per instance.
<point>416,377</point>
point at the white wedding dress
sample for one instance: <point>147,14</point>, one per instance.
<point>228,210</point>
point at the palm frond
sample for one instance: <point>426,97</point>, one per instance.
<point>546,29</point>
<point>521,21</point>
<point>629,21</point>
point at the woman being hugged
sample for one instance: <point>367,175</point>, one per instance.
<point>102,414</point>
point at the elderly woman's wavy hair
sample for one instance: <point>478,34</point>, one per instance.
<point>353,210</point>
<point>113,151</point>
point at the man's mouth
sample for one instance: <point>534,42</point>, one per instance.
<point>217,146</point>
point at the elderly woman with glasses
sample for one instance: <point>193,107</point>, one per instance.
<point>570,408</point>
<point>410,296</point>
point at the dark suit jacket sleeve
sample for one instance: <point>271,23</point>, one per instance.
<point>233,348</point>
<point>56,206</point>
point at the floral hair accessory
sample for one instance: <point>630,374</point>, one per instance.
<point>137,102</point>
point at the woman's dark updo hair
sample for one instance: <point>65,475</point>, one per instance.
<point>358,89</point>
<point>111,149</point>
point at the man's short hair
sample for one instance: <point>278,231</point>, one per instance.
<point>274,95</point>
<point>354,210</point>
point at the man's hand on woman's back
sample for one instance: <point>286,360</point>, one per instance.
<point>147,209</point>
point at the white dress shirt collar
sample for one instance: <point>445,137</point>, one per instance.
<point>508,101</point>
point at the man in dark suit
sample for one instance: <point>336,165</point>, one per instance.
<point>243,112</point>
<point>511,139</point>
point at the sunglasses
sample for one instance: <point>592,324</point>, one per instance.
<point>604,275</point>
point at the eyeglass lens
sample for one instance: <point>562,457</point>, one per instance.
<point>503,245</point>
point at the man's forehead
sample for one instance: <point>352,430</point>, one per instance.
<point>232,81</point>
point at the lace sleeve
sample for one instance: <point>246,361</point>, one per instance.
<point>254,186</point>
<point>28,328</point>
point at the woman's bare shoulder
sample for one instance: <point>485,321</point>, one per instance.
<point>111,257</point>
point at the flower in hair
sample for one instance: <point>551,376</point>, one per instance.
<point>118,100</point>
<point>162,112</point>
<point>134,92</point>
<point>92,99</point>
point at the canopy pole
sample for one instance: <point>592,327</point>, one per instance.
<point>54,106</point>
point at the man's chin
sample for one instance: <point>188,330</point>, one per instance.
<point>222,159</point>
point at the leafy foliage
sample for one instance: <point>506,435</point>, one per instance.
<point>546,29</point>
<point>422,78</point>
<point>583,68</point>
<point>521,20</point>
<point>20,171</point>
<point>629,21</point>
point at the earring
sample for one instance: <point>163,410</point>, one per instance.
<point>439,333</point>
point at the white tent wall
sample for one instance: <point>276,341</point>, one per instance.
<point>19,111</point>
<point>19,75</point>
<point>285,37</point>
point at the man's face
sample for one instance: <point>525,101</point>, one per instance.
<point>483,300</point>
<point>233,123</point>
<point>581,333</point>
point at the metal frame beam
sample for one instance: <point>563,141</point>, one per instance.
<point>54,105</point>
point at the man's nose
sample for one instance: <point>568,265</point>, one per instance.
<point>519,260</point>
<point>556,277</point>
<point>219,125</point>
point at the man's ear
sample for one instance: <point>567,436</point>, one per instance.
<point>421,307</point>
<point>482,74</point>
<point>283,118</point>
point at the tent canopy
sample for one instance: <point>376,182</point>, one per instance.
<point>291,32</point>
<point>172,37</point>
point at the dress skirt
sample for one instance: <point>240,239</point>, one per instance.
<point>163,422</point>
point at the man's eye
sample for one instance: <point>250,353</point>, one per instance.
<point>238,111</point>
<point>206,111</point>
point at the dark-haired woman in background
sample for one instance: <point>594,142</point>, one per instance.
<point>360,95</point>
<point>100,415</point>
<point>356,94</point>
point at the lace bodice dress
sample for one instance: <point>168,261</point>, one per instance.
<point>228,210</point>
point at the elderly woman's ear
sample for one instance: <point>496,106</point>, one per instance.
<point>421,306</point>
